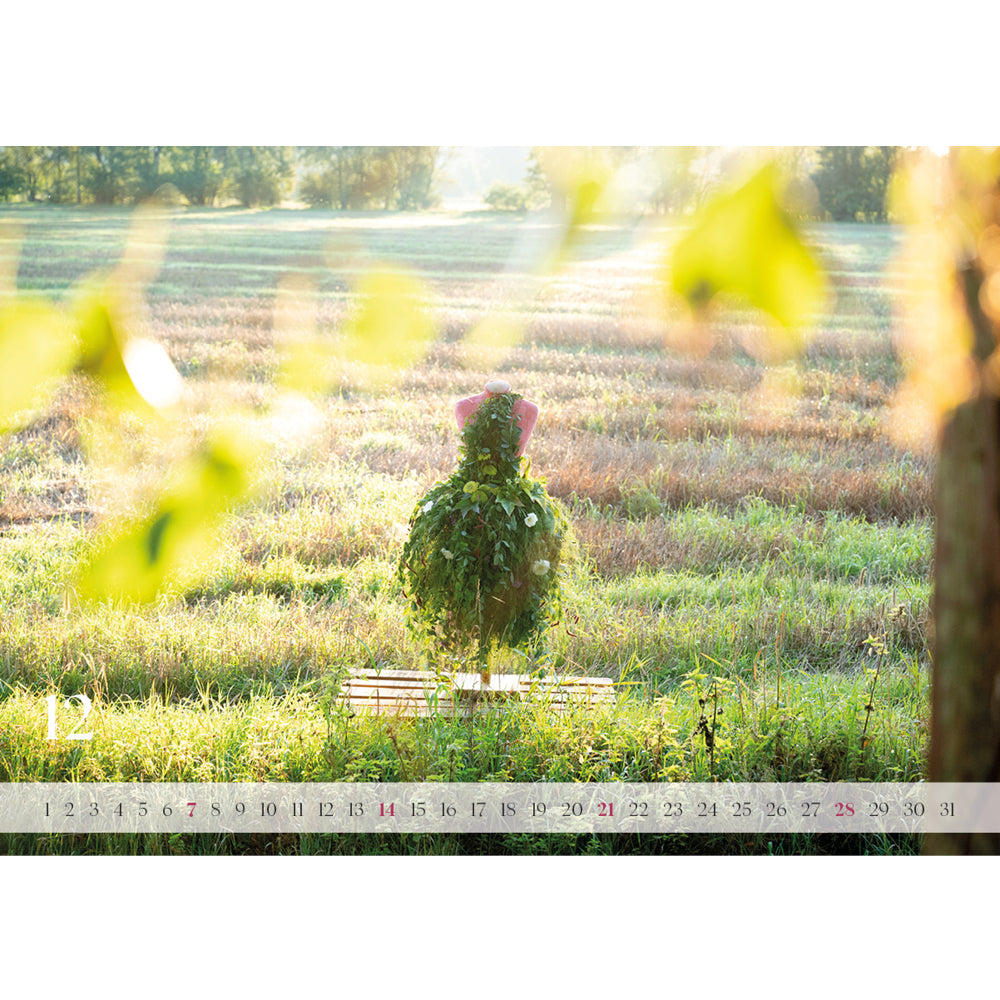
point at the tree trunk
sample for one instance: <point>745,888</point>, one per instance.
<point>965,696</point>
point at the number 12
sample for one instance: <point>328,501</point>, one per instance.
<point>84,701</point>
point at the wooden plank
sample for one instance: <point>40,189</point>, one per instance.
<point>415,675</point>
<point>498,683</point>
<point>419,693</point>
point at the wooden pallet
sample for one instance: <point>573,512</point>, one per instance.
<point>421,692</point>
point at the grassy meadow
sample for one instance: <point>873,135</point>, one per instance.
<point>747,534</point>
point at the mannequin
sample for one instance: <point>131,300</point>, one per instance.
<point>526,413</point>
<point>481,566</point>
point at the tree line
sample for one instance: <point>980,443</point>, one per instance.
<point>843,183</point>
<point>345,177</point>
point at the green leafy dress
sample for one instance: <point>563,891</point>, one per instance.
<point>481,567</point>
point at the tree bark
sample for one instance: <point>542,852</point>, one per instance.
<point>965,695</point>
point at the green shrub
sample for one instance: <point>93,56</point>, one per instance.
<point>505,197</point>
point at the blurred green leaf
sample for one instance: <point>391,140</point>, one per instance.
<point>97,328</point>
<point>746,243</point>
<point>585,196</point>
<point>36,348</point>
<point>391,328</point>
<point>490,341</point>
<point>306,359</point>
<point>181,531</point>
<point>582,184</point>
<point>135,371</point>
<point>306,365</point>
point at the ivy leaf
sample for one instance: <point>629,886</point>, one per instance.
<point>746,243</point>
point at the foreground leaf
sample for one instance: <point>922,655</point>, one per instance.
<point>181,531</point>
<point>746,243</point>
<point>391,328</point>
<point>583,181</point>
<point>37,347</point>
<point>135,372</point>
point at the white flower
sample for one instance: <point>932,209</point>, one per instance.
<point>427,506</point>
<point>540,567</point>
<point>530,521</point>
<point>448,555</point>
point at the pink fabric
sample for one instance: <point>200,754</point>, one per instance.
<point>526,414</point>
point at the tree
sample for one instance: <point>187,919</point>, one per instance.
<point>198,172</point>
<point>59,161</point>
<point>326,176</point>
<point>258,175</point>
<point>76,152</point>
<point>113,174</point>
<point>318,191</point>
<point>335,176</point>
<point>381,178</point>
<point>852,181</point>
<point>149,165</point>
<point>31,167</point>
<point>882,162</point>
<point>361,158</point>
<point>677,182</point>
<point>540,185</point>
<point>11,177</point>
<point>413,175</point>
<point>952,338</point>
<point>343,177</point>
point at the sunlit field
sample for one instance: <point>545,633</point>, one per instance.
<point>744,532</point>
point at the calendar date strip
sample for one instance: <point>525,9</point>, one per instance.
<point>439,807</point>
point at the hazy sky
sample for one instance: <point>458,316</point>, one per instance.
<point>468,172</point>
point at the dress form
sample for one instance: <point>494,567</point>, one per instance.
<point>481,566</point>
<point>525,411</point>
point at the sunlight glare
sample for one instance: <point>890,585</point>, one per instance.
<point>294,420</point>
<point>152,373</point>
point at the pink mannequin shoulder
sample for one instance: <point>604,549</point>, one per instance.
<point>526,413</point>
